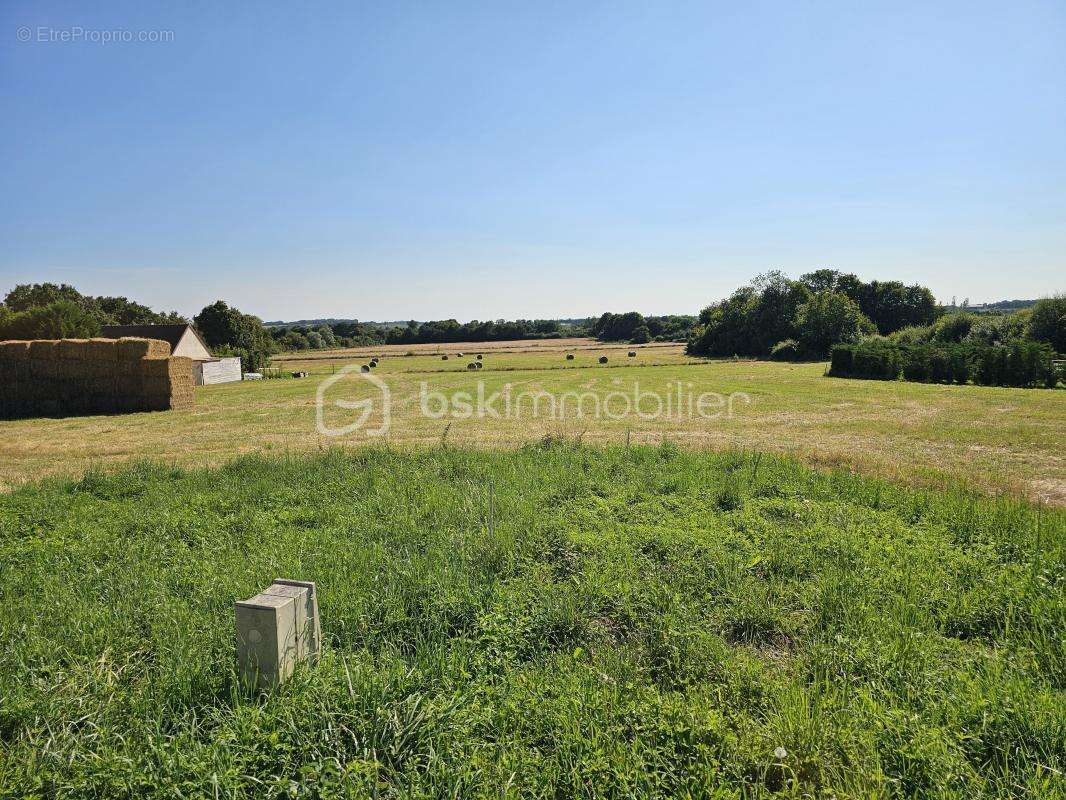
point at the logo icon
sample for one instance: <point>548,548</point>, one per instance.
<point>364,407</point>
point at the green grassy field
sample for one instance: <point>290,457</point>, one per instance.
<point>628,622</point>
<point>997,439</point>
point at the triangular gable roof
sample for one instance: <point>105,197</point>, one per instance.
<point>168,333</point>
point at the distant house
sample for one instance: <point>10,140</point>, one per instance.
<point>184,341</point>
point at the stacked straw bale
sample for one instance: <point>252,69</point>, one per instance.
<point>65,377</point>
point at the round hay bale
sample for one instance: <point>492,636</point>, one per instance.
<point>459,355</point>
<point>472,365</point>
<point>479,356</point>
<point>478,364</point>
<point>632,353</point>
<point>372,364</point>
<point>603,359</point>
<point>364,368</point>
<point>569,356</point>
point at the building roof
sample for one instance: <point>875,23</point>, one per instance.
<point>168,333</point>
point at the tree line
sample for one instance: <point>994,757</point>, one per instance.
<point>635,328</point>
<point>777,316</point>
<point>58,311</point>
<point>774,316</point>
<point>783,318</point>
<point>1015,349</point>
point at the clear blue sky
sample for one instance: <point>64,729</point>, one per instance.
<point>533,159</point>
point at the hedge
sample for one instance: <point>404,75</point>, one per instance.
<point>1020,363</point>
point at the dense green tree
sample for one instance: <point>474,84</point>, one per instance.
<point>822,280</point>
<point>892,306</point>
<point>953,327</point>
<point>913,334</point>
<point>61,319</point>
<point>995,329</point>
<point>30,295</point>
<point>752,320</point>
<point>830,318</point>
<point>1047,322</point>
<point>219,325</point>
<point>105,310</point>
<point>725,327</point>
<point>121,311</point>
<point>230,332</point>
<point>292,340</point>
<point>774,313</point>
<point>618,327</point>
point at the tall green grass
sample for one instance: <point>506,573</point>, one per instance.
<point>629,622</point>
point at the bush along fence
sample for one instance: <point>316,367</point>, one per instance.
<point>91,376</point>
<point>1020,363</point>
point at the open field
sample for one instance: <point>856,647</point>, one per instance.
<point>627,622</point>
<point>996,439</point>
<point>514,346</point>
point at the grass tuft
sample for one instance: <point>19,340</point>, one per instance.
<point>558,620</point>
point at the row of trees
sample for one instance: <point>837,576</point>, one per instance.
<point>634,327</point>
<point>778,317</point>
<point>1021,363</point>
<point>350,333</point>
<point>774,316</point>
<point>450,330</point>
<point>1044,321</point>
<point>51,311</point>
<point>806,317</point>
<point>57,311</point>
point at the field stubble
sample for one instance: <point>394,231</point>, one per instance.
<point>996,439</point>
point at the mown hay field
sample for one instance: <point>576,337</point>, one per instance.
<point>558,620</point>
<point>996,439</point>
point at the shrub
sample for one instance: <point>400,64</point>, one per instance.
<point>959,363</point>
<point>953,327</point>
<point>938,364</point>
<point>912,334</point>
<point>62,319</point>
<point>915,363</point>
<point>998,329</point>
<point>830,318</point>
<point>641,335</point>
<point>1047,322</point>
<point>787,350</point>
<point>878,359</point>
<point>1021,363</point>
<point>841,362</point>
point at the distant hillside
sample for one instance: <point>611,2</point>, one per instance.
<point>998,306</point>
<point>1008,305</point>
<point>314,323</point>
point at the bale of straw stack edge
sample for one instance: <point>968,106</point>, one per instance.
<point>66,377</point>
